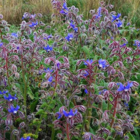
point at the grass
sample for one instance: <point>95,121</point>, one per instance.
<point>14,9</point>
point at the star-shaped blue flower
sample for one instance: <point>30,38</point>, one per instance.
<point>34,24</point>
<point>27,138</point>
<point>3,92</point>
<point>102,63</point>
<point>14,35</point>
<point>86,91</point>
<point>99,13</point>
<point>124,88</point>
<point>50,79</point>
<point>48,48</point>
<point>114,17</point>
<point>119,23</point>
<point>48,70</point>
<point>13,110</point>
<point>137,43</point>
<point>69,114</point>
<point>1,44</point>
<point>65,6</point>
<point>69,37</point>
<point>10,97</point>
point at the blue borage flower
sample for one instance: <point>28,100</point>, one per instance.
<point>69,114</point>
<point>1,44</point>
<point>69,37</point>
<point>27,138</point>
<point>50,79</point>
<point>34,24</point>
<point>115,17</point>
<point>88,62</point>
<point>13,110</point>
<point>48,37</point>
<point>10,97</point>
<point>119,23</point>
<point>64,9</point>
<point>14,35</point>
<point>65,6</point>
<point>102,63</point>
<point>86,73</point>
<point>3,92</point>
<point>99,12</point>
<point>48,48</point>
<point>59,115</point>
<point>48,70</point>
<point>123,45</point>
<point>124,88</point>
<point>72,25</point>
<point>137,43</point>
<point>86,91</point>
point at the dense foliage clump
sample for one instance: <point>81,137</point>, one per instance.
<point>71,80</point>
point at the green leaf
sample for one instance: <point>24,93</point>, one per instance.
<point>86,50</point>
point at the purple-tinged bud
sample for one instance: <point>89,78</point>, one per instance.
<point>106,95</point>
<point>105,116</point>
<point>135,84</point>
<point>17,75</point>
<point>9,122</point>
<point>21,114</point>
<point>120,75</point>
<point>98,99</point>
<point>111,85</point>
<point>128,126</point>
<point>1,16</point>
<point>126,138</point>
<point>126,97</point>
<point>78,118</point>
<point>15,132</point>
<point>59,136</point>
<point>70,121</point>
<point>120,64</point>
<point>79,62</point>
<point>92,12</point>
<point>47,60</point>
<point>14,68</point>
<point>81,108</point>
<point>22,125</point>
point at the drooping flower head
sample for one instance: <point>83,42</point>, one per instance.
<point>99,12</point>
<point>102,63</point>
<point>72,25</point>
<point>10,97</point>
<point>69,37</point>
<point>64,9</point>
<point>13,109</point>
<point>69,114</point>
<point>88,62</point>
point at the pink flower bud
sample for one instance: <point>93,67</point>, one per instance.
<point>14,68</point>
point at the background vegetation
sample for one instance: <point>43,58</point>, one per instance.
<point>14,9</point>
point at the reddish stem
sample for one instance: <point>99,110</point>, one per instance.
<point>115,110</point>
<point>67,131</point>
